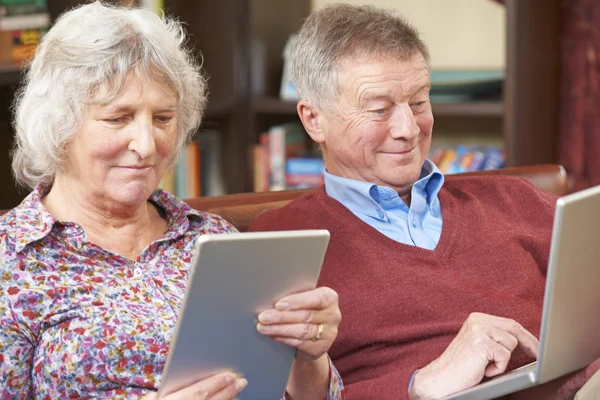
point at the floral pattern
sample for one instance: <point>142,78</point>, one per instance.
<point>78,321</point>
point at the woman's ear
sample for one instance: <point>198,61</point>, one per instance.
<point>313,121</point>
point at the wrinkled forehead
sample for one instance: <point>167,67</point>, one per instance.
<point>364,73</point>
<point>106,91</point>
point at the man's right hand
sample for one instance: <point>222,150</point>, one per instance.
<point>222,386</point>
<point>482,347</point>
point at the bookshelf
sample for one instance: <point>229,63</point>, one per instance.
<point>525,121</point>
<point>272,105</point>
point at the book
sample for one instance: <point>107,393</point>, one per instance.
<point>304,172</point>
<point>25,21</point>
<point>19,45</point>
<point>458,159</point>
<point>19,7</point>
<point>211,162</point>
<point>152,5</point>
<point>285,141</point>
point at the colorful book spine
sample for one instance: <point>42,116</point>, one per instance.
<point>454,160</point>
<point>277,157</point>
<point>304,172</point>
<point>181,175</point>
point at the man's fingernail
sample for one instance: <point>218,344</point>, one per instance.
<point>282,306</point>
<point>262,328</point>
<point>229,378</point>
<point>240,384</point>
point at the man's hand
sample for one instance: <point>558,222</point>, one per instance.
<point>483,347</point>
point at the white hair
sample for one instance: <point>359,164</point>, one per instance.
<point>89,47</point>
<point>341,31</point>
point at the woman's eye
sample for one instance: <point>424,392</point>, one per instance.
<point>117,120</point>
<point>163,118</point>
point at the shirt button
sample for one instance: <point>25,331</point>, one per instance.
<point>384,196</point>
<point>380,214</point>
<point>414,223</point>
<point>159,303</point>
<point>137,272</point>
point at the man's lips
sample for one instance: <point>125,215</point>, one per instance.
<point>399,151</point>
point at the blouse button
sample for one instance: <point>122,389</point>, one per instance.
<point>137,272</point>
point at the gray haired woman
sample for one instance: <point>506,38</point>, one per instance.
<point>94,261</point>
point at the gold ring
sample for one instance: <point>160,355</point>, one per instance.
<point>320,329</point>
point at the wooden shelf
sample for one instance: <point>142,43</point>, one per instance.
<point>469,109</point>
<point>10,73</point>
<point>273,105</point>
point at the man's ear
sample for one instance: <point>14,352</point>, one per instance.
<point>313,121</point>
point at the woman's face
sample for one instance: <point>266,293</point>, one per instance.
<point>122,149</point>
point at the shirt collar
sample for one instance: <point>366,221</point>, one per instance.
<point>364,197</point>
<point>34,222</point>
<point>430,181</point>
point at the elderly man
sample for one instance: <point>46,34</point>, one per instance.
<point>431,304</point>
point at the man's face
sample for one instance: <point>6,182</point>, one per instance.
<point>380,129</point>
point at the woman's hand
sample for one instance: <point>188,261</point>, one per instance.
<point>221,386</point>
<point>307,321</point>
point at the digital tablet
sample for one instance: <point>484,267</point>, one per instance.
<point>234,277</point>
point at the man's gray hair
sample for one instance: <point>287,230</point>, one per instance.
<point>338,32</point>
<point>89,48</point>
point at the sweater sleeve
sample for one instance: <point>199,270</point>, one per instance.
<point>392,386</point>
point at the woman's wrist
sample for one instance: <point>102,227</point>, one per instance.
<point>309,379</point>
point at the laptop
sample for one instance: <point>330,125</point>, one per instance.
<point>569,338</point>
<point>234,277</point>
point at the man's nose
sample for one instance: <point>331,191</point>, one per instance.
<point>403,123</point>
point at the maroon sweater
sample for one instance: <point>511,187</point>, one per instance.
<point>402,305</point>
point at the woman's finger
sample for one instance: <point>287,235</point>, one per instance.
<point>316,299</point>
<point>205,388</point>
<point>270,317</point>
<point>292,331</point>
<point>230,392</point>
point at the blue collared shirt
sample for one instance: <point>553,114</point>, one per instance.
<point>381,207</point>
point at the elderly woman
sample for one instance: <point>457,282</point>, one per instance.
<point>94,261</point>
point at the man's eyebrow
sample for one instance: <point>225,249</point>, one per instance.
<point>423,87</point>
<point>374,97</point>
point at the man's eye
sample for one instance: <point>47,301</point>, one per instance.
<point>420,103</point>
<point>379,111</point>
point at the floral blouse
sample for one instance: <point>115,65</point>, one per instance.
<point>78,321</point>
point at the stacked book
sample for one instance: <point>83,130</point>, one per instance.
<point>283,160</point>
<point>454,160</point>
<point>23,23</point>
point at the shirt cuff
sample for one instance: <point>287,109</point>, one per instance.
<point>411,379</point>
<point>336,386</point>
